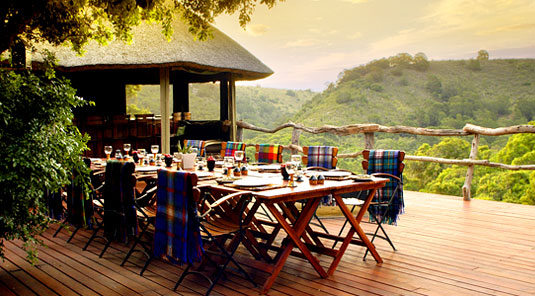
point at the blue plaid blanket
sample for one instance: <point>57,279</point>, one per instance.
<point>177,236</point>
<point>320,156</point>
<point>387,161</point>
<point>199,144</point>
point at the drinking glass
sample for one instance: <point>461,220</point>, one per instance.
<point>228,162</point>
<point>154,149</point>
<point>238,155</point>
<point>295,159</point>
<point>126,148</point>
<point>290,169</point>
<point>195,150</point>
<point>142,153</point>
<point>108,150</point>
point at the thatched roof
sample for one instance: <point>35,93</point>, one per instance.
<point>150,49</point>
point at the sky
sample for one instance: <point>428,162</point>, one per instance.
<point>307,43</point>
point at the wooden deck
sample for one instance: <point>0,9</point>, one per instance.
<point>445,247</point>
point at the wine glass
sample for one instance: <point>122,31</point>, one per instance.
<point>290,169</point>
<point>108,150</point>
<point>238,155</point>
<point>195,150</point>
<point>126,148</point>
<point>228,162</point>
<point>154,149</point>
<point>142,153</point>
<point>295,159</point>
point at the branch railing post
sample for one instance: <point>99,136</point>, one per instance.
<point>239,134</point>
<point>470,171</point>
<point>369,140</point>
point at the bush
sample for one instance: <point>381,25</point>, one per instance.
<point>40,150</point>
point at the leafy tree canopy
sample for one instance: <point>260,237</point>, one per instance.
<point>78,21</point>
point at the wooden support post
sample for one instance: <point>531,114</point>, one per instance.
<point>165,111</point>
<point>470,170</point>
<point>232,108</point>
<point>296,133</point>
<point>369,140</point>
<point>239,134</point>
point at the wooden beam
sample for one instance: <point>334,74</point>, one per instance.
<point>165,110</point>
<point>223,100</point>
<point>232,108</point>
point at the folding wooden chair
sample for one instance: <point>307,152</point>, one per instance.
<point>180,238</point>
<point>387,204</point>
<point>120,219</point>
<point>320,157</point>
<point>199,144</point>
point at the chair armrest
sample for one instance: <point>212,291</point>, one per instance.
<point>229,196</point>
<point>387,175</point>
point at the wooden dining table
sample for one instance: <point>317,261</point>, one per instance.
<point>281,203</point>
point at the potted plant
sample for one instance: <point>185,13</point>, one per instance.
<point>188,158</point>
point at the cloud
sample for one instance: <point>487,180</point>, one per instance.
<point>461,24</point>
<point>302,43</point>
<point>256,29</point>
<point>355,35</point>
<point>355,1</point>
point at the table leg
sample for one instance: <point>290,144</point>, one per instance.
<point>295,234</point>
<point>355,228</point>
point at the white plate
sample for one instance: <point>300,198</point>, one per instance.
<point>334,174</point>
<point>202,174</point>
<point>269,167</point>
<point>150,168</point>
<point>253,182</point>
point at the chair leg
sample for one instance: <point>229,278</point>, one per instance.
<point>73,233</point>
<point>108,243</point>
<point>91,239</point>
<point>136,241</point>
<point>321,223</point>
<point>343,226</point>
<point>57,231</point>
<point>184,273</point>
<point>146,264</point>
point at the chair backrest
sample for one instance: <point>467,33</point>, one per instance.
<point>177,236</point>
<point>120,217</point>
<point>199,144</point>
<point>320,156</point>
<point>228,148</point>
<point>388,163</point>
<point>267,153</point>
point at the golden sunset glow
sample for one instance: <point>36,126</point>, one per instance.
<point>307,43</point>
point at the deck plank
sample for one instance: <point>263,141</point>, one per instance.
<point>445,246</point>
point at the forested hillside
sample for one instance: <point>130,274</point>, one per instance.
<point>411,91</point>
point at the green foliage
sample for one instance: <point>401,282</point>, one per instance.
<point>482,55</point>
<point>473,65</point>
<point>40,151</point>
<point>433,85</point>
<point>77,22</point>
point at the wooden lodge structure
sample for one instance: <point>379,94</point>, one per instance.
<point>102,73</point>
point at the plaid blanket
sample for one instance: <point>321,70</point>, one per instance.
<point>268,153</point>
<point>233,146</point>
<point>387,161</point>
<point>321,156</point>
<point>120,218</point>
<point>199,144</point>
<point>177,235</point>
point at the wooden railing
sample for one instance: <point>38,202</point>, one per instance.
<point>369,131</point>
